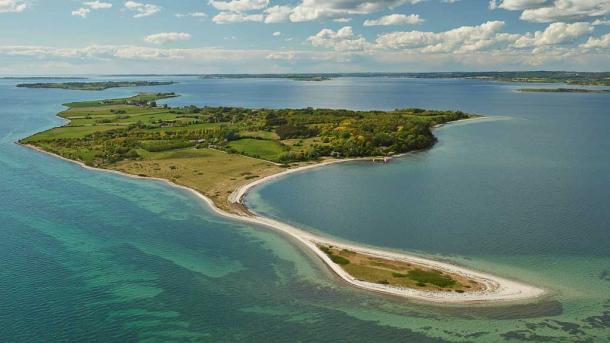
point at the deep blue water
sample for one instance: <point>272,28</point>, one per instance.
<point>91,256</point>
<point>536,181</point>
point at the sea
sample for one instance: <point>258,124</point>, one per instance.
<point>524,193</point>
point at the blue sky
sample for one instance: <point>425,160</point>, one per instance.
<point>256,36</point>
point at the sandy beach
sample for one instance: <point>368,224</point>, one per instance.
<point>497,289</point>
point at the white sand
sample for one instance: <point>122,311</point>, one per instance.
<point>497,289</point>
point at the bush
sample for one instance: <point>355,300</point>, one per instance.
<point>339,259</point>
<point>132,154</point>
<point>432,277</point>
<point>158,146</point>
<point>296,131</point>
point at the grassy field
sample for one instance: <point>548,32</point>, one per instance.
<point>216,149</point>
<point>69,132</point>
<point>270,150</point>
<point>213,173</point>
<point>395,273</point>
<point>105,105</point>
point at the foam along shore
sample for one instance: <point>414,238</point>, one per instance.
<point>495,289</point>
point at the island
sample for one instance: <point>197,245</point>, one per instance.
<point>94,86</point>
<point>562,90</point>
<point>43,78</point>
<point>294,77</point>
<point>220,153</point>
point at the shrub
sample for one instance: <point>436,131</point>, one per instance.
<point>158,146</point>
<point>296,131</point>
<point>433,277</point>
<point>339,259</point>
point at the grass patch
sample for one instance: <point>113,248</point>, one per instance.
<point>335,258</point>
<point>433,277</point>
<point>68,132</point>
<point>397,273</point>
<point>259,148</point>
<point>339,259</point>
<point>217,171</point>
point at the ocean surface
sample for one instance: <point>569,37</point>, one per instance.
<point>96,257</point>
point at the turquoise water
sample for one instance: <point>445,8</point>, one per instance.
<point>92,256</point>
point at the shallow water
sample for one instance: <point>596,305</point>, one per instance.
<point>90,256</point>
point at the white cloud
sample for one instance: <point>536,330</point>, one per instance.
<point>555,33</point>
<point>514,5</point>
<point>277,34</point>
<point>598,22</point>
<point>234,17</point>
<point>602,42</point>
<point>461,39</point>
<point>167,37</point>
<point>239,5</point>
<point>277,14</point>
<point>555,39</point>
<point>141,9</point>
<point>394,19</point>
<point>97,5</point>
<point>342,20</point>
<point>288,55</point>
<point>81,12</point>
<point>12,6</point>
<point>306,10</point>
<point>343,39</point>
<point>89,6</point>
<point>545,11</point>
<point>138,59</point>
<point>191,14</point>
<point>309,10</point>
<point>473,46</point>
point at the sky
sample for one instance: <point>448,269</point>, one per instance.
<point>59,37</point>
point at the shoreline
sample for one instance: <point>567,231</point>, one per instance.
<point>498,289</point>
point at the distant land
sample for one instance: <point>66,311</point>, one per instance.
<point>295,77</point>
<point>42,78</point>
<point>95,86</point>
<point>574,78</point>
<point>562,90</point>
<point>566,77</point>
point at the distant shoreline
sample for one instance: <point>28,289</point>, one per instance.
<point>571,78</point>
<point>540,77</point>
<point>563,90</point>
<point>94,86</point>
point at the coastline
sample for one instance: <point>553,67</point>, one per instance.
<point>497,289</point>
